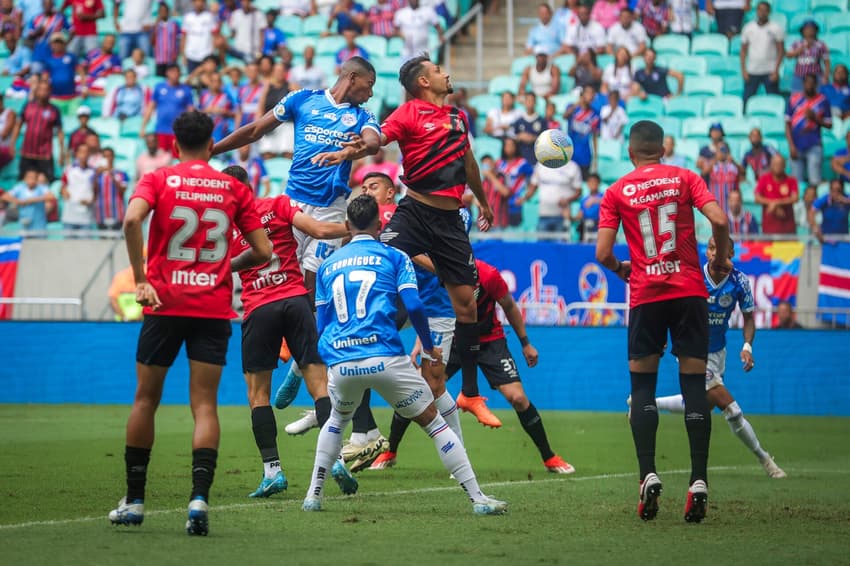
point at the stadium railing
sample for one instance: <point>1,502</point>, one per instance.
<point>476,13</point>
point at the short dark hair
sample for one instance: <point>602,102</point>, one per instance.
<point>765,3</point>
<point>358,65</point>
<point>410,72</point>
<point>193,130</point>
<point>379,175</point>
<point>594,176</point>
<point>363,211</point>
<point>238,173</point>
<point>170,66</point>
<point>646,138</point>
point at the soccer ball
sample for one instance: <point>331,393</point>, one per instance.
<point>553,148</point>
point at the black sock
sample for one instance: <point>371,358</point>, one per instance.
<point>397,430</point>
<point>467,339</point>
<point>363,420</point>
<point>265,432</point>
<point>697,422</point>
<point>136,463</point>
<point>323,410</point>
<point>533,426</point>
<point>644,419</point>
<point>203,471</point>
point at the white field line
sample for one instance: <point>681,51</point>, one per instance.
<point>401,492</point>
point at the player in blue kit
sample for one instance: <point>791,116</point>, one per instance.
<point>356,294</point>
<point>724,292</point>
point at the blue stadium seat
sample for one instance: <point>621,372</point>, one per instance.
<point>837,42</point>
<point>614,170</point>
<point>652,107</point>
<point>388,67</point>
<point>696,127</point>
<point>395,46</point>
<point>671,43</point>
<point>838,23</point>
<point>735,45</point>
<point>503,83</point>
<point>297,45</point>
<point>483,103</point>
<point>106,127</point>
<point>611,150</point>
<point>292,27</point>
<point>721,66</point>
<point>314,25</point>
<point>689,148</point>
<point>705,86</point>
<point>672,126</point>
<point>684,107</point>
<point>733,85</point>
<point>278,168</point>
<point>125,148</point>
<point>776,17</point>
<point>485,145</point>
<point>739,128</point>
<point>689,65</point>
<point>770,105</point>
<point>828,6</point>
<point>375,45</point>
<point>520,63</point>
<point>561,101</point>
<point>565,62</point>
<point>773,129</point>
<point>710,43</point>
<point>724,106</point>
<point>797,19</point>
<point>329,45</point>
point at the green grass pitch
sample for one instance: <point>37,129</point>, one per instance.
<point>61,471</point>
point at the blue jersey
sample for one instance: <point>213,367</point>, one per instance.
<point>321,125</point>
<point>357,289</point>
<point>171,101</point>
<point>434,296</point>
<point>722,298</point>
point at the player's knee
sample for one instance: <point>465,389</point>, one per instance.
<point>427,416</point>
<point>733,412</point>
<point>517,399</point>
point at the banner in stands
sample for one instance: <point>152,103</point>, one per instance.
<point>834,284</point>
<point>10,250</point>
<point>545,277</point>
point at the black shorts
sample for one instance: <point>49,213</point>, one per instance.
<point>729,20</point>
<point>495,360</point>
<point>685,318</point>
<point>161,337</point>
<point>264,328</point>
<point>417,228</point>
<point>45,166</point>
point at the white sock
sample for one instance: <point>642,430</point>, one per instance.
<point>327,451</point>
<point>743,430</point>
<point>358,439</point>
<point>451,452</point>
<point>270,469</point>
<point>445,403</point>
<point>373,434</point>
<point>673,403</point>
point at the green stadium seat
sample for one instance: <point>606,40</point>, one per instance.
<point>483,103</point>
<point>375,45</point>
<point>710,43</point>
<point>696,127</point>
<point>724,106</point>
<point>5,83</point>
<point>672,126</point>
<point>520,63</point>
<point>684,107</point>
<point>125,148</point>
<point>777,17</point>
<point>132,126</point>
<point>604,60</point>
<point>561,101</point>
<point>652,107</point>
<point>485,145</point>
<point>797,20</point>
<point>773,129</point>
<point>314,25</point>
<point>614,170</point>
<point>739,127</point>
<point>106,126</point>
<point>689,65</point>
<point>735,45</point>
<point>299,44</point>
<point>329,45</point>
<point>278,168</point>
<point>387,67</point>
<point>611,150</point>
<point>393,97</point>
<point>705,86</point>
<point>395,46</point>
<point>837,42</point>
<point>733,85</point>
<point>838,23</point>
<point>790,7</point>
<point>504,83</point>
<point>671,44</point>
<point>565,62</point>
<point>828,6</point>
<point>770,105</point>
<point>292,27</point>
<point>689,147</point>
<point>375,105</point>
<point>721,66</point>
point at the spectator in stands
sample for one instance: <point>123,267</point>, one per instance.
<point>139,64</point>
<point>200,78</point>
<point>349,50</point>
<point>78,136</point>
<point>588,215</point>
<point>110,185</point>
<point>96,157</point>
<point>33,200</point>
<point>807,113</point>
<point>299,8</point>
<point>249,94</point>
<point>460,99</point>
<point>508,179</point>
<point>741,222</point>
<point>122,296</point>
<point>565,16</point>
<point>652,79</point>
<point>153,158</point>
<point>281,140</point>
<point>381,16</point>
<point>11,18</point>
<point>165,40</point>
<point>78,192</point>
<point>84,16</point>
<point>584,35</point>
<point>221,106</point>
<point>247,32</point>
<point>724,175</point>
<point>777,192</point>
<point>44,123</point>
<point>583,128</point>
<point>527,127</point>
<point>614,119</point>
<point>618,75</point>
<point>128,99</point>
<point>544,77</point>
<point>257,173</point>
<point>812,56</point>
<point>169,100</point>
<point>41,28</point>
<point>18,63</point>
<point>413,23</point>
<point>670,156</point>
<point>99,64</point>
<point>377,164</point>
<point>265,66</point>
<point>655,16</point>
<point>762,52</point>
<point>546,36</point>
<point>552,122</point>
<point>606,12</point>
<point>182,6</point>
<point>838,92</point>
<point>559,189</point>
<point>758,156</point>
<point>8,119</point>
<point>835,209</point>
<point>627,33</point>
<point>134,26</point>
<point>349,16</point>
<point>61,69</point>
<point>841,160</point>
<point>500,120</point>
<point>199,30</point>
<point>729,15</point>
<point>307,75</point>
<point>30,9</point>
<point>586,72</point>
<point>684,16</point>
<point>786,319</point>
<point>803,207</point>
<point>707,152</point>
<point>274,40</point>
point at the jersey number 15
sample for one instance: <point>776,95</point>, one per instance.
<point>666,225</point>
<point>366,280</point>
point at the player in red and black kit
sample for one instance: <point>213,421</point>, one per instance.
<point>187,295</point>
<point>655,203</point>
<point>277,306</point>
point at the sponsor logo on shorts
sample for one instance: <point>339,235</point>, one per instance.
<point>351,342</point>
<point>410,400</point>
<point>361,370</point>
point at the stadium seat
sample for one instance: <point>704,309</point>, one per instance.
<point>561,101</point>
<point>689,148</point>
<point>790,7</point>
<point>278,168</point>
<point>672,126</point>
<point>735,45</point>
<point>125,148</point>
<point>672,44</point>
<point>483,103</point>
<point>689,65</point>
<point>837,42</point>
<point>565,62</point>
<point>375,45</point>
<point>604,60</point>
<point>773,129</point>
<point>770,105</point>
<point>652,107</point>
<point>329,45</point>
<point>739,127</point>
<point>684,107</point>
<point>314,25</point>
<point>733,85</point>
<point>797,20</point>
<point>387,67</point>
<point>106,127</point>
<point>485,145</point>
<point>721,66</point>
<point>710,43</point>
<point>297,45</point>
<point>696,127</point>
<point>395,46</point>
<point>503,83</point>
<point>292,27</point>
<point>5,83</point>
<point>838,23</point>
<point>520,63</point>
<point>724,106</point>
<point>614,170</point>
<point>705,86</point>
<point>610,150</point>
<point>132,126</point>
<point>828,6</point>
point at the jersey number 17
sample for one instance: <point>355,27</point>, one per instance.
<point>366,279</point>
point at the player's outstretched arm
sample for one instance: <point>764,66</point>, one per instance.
<point>720,231</point>
<point>605,240</point>
<point>473,179</point>
<point>248,134</point>
<point>367,143</point>
<point>259,253</point>
<point>423,261</point>
<point>514,317</point>
<point>749,336</point>
<point>134,218</point>
<point>319,230</point>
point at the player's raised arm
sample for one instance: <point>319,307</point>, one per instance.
<point>358,147</point>
<point>249,133</point>
<point>318,229</point>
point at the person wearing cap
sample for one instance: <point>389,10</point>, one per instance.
<point>78,136</point>
<point>273,39</point>
<point>709,152</point>
<point>61,69</point>
<point>41,28</point>
<point>546,35</point>
<point>812,56</point>
<point>544,77</point>
<point>729,15</point>
<point>762,51</point>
